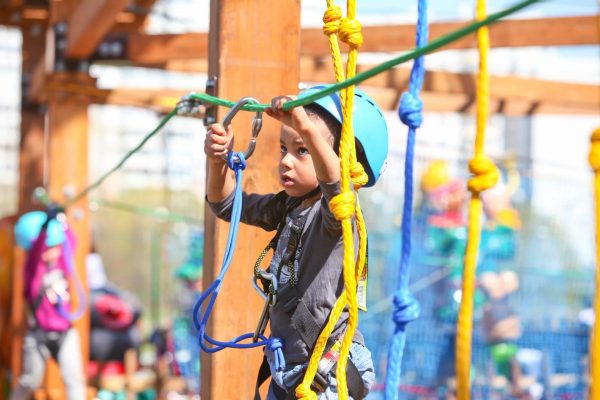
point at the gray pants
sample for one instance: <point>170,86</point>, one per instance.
<point>37,347</point>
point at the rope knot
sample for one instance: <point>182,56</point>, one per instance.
<point>358,175</point>
<point>332,18</point>
<point>275,345</point>
<point>303,392</point>
<point>485,174</point>
<point>342,206</point>
<point>350,32</point>
<point>594,157</point>
<point>406,308</point>
<point>411,110</point>
<point>236,161</point>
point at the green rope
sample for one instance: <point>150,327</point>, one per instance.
<point>130,153</point>
<point>148,212</point>
<point>430,47</point>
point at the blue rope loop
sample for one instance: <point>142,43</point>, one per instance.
<point>200,317</point>
<point>236,161</point>
<point>406,307</point>
<point>411,110</point>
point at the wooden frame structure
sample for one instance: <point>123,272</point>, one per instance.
<point>62,38</point>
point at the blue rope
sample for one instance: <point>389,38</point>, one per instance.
<point>406,307</point>
<point>237,163</point>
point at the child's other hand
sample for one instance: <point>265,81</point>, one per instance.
<point>218,142</point>
<point>296,118</point>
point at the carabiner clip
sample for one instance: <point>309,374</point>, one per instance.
<point>272,296</point>
<point>256,124</point>
<point>270,300</point>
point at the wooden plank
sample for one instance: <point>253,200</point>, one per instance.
<point>562,31</point>
<point>163,101</point>
<point>574,95</point>
<point>265,66</point>
<point>160,49</point>
<point>89,23</point>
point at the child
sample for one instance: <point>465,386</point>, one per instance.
<point>309,248</point>
<point>46,288</point>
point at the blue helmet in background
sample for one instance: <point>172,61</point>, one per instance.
<point>370,129</point>
<point>28,228</point>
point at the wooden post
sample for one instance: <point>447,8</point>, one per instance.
<point>31,159</point>
<point>254,50</point>
<point>67,175</point>
<point>55,150</point>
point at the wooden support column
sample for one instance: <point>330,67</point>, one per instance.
<point>254,50</point>
<point>31,159</point>
<point>68,174</point>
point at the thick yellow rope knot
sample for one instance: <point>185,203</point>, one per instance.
<point>594,157</point>
<point>332,18</point>
<point>342,205</point>
<point>358,175</point>
<point>303,392</point>
<point>350,32</point>
<point>485,174</point>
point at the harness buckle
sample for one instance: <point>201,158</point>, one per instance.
<point>256,125</point>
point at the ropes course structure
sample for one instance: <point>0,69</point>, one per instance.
<point>346,207</point>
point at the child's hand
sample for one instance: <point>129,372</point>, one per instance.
<point>218,142</point>
<point>296,118</point>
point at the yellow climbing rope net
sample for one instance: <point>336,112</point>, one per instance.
<point>345,205</point>
<point>594,159</point>
<point>485,176</point>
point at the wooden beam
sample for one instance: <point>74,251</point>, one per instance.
<point>163,101</point>
<point>266,69</point>
<point>89,23</point>
<point>67,118</point>
<point>161,49</point>
<point>506,88</point>
<point>564,31</point>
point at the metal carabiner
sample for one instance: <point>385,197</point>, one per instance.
<point>270,300</point>
<point>256,124</point>
<point>268,277</point>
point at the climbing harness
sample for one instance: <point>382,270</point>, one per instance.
<point>291,300</point>
<point>237,162</point>
<point>485,176</point>
<point>406,307</point>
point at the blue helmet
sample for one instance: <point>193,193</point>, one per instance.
<point>370,129</point>
<point>28,228</point>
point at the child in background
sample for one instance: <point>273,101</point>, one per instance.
<point>50,333</point>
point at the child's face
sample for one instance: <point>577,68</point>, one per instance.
<point>296,170</point>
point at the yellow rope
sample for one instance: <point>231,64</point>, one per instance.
<point>345,205</point>
<point>594,159</point>
<point>485,176</point>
